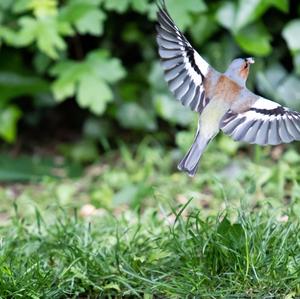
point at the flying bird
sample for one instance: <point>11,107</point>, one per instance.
<point>222,100</point>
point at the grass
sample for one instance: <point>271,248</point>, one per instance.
<point>134,227</point>
<point>145,256</point>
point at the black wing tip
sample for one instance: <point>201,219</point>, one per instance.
<point>161,4</point>
<point>162,9</point>
<point>165,22</point>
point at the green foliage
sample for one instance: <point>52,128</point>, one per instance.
<point>102,53</point>
<point>290,31</point>
<point>88,80</point>
<point>181,11</point>
<point>255,39</point>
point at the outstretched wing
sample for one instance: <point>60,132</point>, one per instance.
<point>185,70</point>
<point>265,122</point>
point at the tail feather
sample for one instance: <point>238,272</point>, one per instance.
<point>190,162</point>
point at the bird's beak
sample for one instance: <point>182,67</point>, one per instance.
<point>250,60</point>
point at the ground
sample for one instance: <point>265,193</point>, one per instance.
<point>132,225</point>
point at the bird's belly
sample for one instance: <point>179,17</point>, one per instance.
<point>211,117</point>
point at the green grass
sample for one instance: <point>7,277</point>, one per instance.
<point>232,232</point>
<point>144,256</point>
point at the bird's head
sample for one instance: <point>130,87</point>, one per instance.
<point>239,68</point>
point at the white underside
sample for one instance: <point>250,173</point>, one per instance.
<point>211,117</point>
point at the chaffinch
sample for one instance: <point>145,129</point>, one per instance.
<point>221,99</point>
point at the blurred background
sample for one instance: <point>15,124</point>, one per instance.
<point>85,113</point>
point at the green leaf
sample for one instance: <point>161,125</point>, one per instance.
<point>140,5</point>
<point>47,32</point>
<point>156,79</point>
<point>225,15</point>
<point>181,11</point>
<point>255,40</point>
<point>43,8</point>
<point>235,16</point>
<point>172,111</point>
<point>203,28</point>
<point>39,8</point>
<point>69,73</point>
<point>289,92</point>
<point>248,11</point>
<point>290,33</point>
<point>15,84</point>
<point>9,117</point>
<point>93,94</point>
<point>104,67</point>
<point>21,6</point>
<point>48,36</point>
<point>133,116</point>
<point>221,52</point>
<point>24,37</point>
<point>152,11</point>
<point>86,17</point>
<point>4,5</point>
<point>89,80</point>
<point>117,5</point>
<point>91,23</point>
<point>297,62</point>
<point>282,5</point>
<point>270,79</point>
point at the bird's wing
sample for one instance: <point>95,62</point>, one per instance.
<point>185,70</point>
<point>265,122</point>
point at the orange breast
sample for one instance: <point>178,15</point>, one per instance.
<point>226,89</point>
<point>244,73</point>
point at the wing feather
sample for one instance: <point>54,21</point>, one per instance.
<point>185,70</point>
<point>265,122</point>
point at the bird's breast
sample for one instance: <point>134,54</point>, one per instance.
<point>226,89</point>
<point>211,117</point>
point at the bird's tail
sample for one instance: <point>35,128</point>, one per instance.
<point>190,162</point>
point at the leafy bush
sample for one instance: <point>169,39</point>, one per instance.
<point>102,53</point>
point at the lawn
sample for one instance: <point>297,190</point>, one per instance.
<point>132,226</point>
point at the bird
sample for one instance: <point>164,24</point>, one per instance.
<point>222,100</point>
